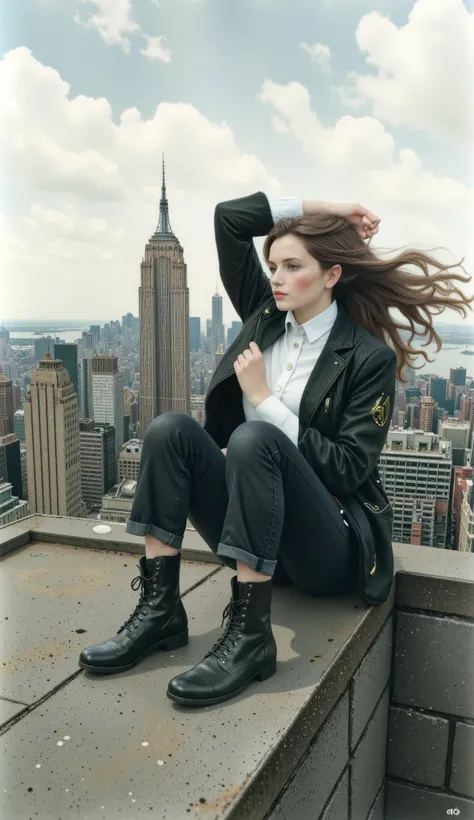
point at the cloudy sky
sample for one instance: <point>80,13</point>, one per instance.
<point>355,100</point>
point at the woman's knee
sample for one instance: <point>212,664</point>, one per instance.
<point>165,425</point>
<point>250,435</point>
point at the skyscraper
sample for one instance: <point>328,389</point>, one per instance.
<point>217,326</point>
<point>438,390</point>
<point>6,406</point>
<point>67,353</point>
<point>10,463</point>
<point>457,376</point>
<point>233,332</point>
<point>107,337</point>
<point>95,330</point>
<point>107,395</point>
<point>85,384</point>
<point>416,469</point>
<point>52,441</point>
<point>164,324</point>
<point>129,461</point>
<point>194,333</point>
<point>427,408</point>
<point>19,425</point>
<point>98,462</point>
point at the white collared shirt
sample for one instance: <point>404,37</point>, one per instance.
<point>291,359</point>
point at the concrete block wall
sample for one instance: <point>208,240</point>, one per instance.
<point>430,753</point>
<point>341,776</point>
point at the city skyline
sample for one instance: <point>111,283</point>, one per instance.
<point>317,112</point>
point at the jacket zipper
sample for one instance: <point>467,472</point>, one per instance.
<point>265,312</point>
<point>326,403</point>
<point>371,571</point>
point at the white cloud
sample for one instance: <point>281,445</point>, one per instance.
<point>112,19</point>
<point>422,69</point>
<point>319,53</point>
<point>352,143</point>
<point>95,182</point>
<point>70,225</point>
<point>155,49</point>
<point>52,143</point>
<point>356,159</point>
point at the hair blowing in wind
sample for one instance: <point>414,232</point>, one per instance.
<point>369,285</point>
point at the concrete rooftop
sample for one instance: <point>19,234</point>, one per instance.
<point>75,745</point>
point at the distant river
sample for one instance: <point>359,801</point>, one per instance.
<point>448,357</point>
<point>65,335</point>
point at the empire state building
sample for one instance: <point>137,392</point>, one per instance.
<point>163,324</point>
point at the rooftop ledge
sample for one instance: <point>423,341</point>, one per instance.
<point>369,717</point>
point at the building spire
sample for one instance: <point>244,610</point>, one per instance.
<point>163,229</point>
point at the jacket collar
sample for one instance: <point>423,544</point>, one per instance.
<point>341,336</point>
<point>343,331</point>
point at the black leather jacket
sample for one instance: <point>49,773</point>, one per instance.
<point>347,403</point>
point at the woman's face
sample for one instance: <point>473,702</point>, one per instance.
<point>299,276</point>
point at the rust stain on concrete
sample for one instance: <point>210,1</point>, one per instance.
<point>39,578</point>
<point>223,800</point>
<point>20,662</point>
<point>133,757</point>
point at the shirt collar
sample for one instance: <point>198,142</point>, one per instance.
<point>314,328</point>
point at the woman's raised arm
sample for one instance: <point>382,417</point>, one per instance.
<point>236,223</point>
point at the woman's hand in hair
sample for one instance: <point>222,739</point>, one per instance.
<point>366,222</point>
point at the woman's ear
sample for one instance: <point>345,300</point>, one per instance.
<point>334,274</point>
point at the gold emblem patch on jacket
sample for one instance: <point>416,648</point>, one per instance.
<point>381,410</point>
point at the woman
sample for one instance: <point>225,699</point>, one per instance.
<point>300,404</point>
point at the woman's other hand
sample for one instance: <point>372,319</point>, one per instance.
<point>250,370</point>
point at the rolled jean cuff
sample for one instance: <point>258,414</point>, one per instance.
<point>264,565</point>
<point>137,528</point>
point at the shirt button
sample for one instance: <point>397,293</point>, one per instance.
<point>289,367</point>
<point>278,387</point>
<point>296,344</point>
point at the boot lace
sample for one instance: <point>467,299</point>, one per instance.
<point>142,582</point>
<point>235,612</point>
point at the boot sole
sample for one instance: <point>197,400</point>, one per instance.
<point>174,642</point>
<point>262,675</point>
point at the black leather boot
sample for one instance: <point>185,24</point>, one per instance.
<point>246,651</point>
<point>159,620</point>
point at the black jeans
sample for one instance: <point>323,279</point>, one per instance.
<point>261,504</point>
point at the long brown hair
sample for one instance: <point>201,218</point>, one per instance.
<point>369,285</point>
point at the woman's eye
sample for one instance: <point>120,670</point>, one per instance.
<point>292,267</point>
